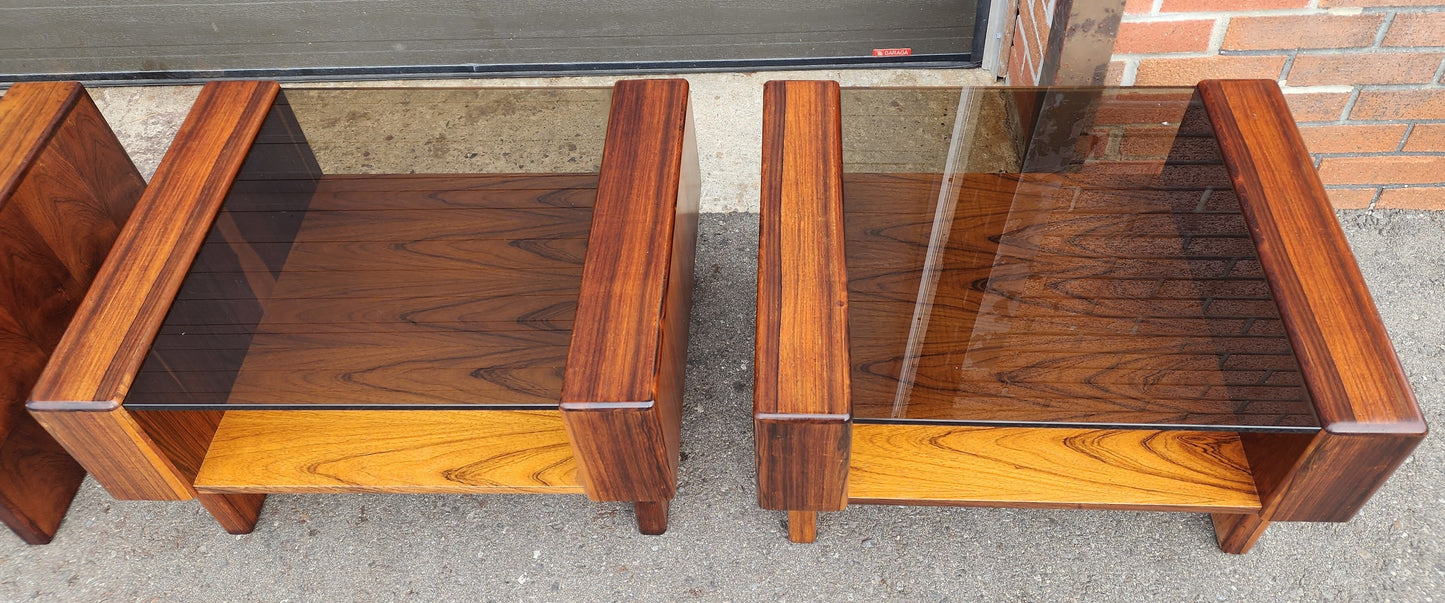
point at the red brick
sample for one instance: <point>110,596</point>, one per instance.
<point>1188,72</point>
<point>1041,26</point>
<point>1312,31</point>
<point>1426,138</point>
<point>1356,69</point>
<point>1034,39</point>
<point>1164,36</point>
<point>1352,138</point>
<point>1399,104</point>
<point>1415,197</point>
<point>1147,141</point>
<point>1138,7</point>
<point>1351,198</point>
<point>1385,169</point>
<point>1174,6</point>
<point>1115,75</point>
<point>1417,29</point>
<point>1018,67</point>
<point>1317,106</point>
<point>1369,3</point>
<point>1133,110</point>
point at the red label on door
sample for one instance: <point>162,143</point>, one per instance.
<point>892,52</point>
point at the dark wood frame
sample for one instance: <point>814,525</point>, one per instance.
<point>66,188</point>
<point>812,458</point>
<point>623,384</point>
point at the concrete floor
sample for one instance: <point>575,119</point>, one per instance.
<point>720,545</point>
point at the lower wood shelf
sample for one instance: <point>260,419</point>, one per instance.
<point>1050,468</point>
<point>390,451</point>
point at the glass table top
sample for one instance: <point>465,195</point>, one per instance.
<point>390,248</point>
<point>1055,256</point>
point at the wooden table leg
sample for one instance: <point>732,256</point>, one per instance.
<point>1237,533</point>
<point>802,526</point>
<point>651,516</point>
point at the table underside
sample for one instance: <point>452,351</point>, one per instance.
<point>365,292</point>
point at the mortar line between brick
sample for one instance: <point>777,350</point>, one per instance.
<point>1374,199</point>
<point>1349,105</point>
<point>1334,51</point>
<point>1439,72</point>
<point>1372,10</point>
<point>1131,72</point>
<point>1409,130</point>
<point>1384,27</point>
<point>1284,71</point>
<point>1398,87</point>
<point>1370,122</point>
<point>1213,14</point>
<point>1216,35</point>
<point>1378,154</point>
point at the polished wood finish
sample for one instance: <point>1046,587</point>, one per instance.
<point>622,389</point>
<point>802,526</point>
<point>66,188</point>
<point>1371,420</point>
<point>652,516</point>
<point>1198,282</point>
<point>801,405</point>
<point>1102,305</point>
<point>445,451</point>
<point>1056,468</point>
<point>78,397</point>
<point>305,290</point>
<point>111,443</point>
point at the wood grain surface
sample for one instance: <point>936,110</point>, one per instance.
<point>1065,300</point>
<point>1050,468</point>
<point>622,389</point>
<point>437,307</point>
<point>78,396</point>
<point>449,452</point>
<point>801,399</point>
<point>1371,420</point>
<point>66,188</point>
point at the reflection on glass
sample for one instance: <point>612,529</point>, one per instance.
<point>390,248</point>
<point>1077,256</point>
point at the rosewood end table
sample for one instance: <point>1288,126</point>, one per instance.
<point>66,188</point>
<point>423,290</point>
<point>1117,298</point>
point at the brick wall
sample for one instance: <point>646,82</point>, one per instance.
<point>1363,78</point>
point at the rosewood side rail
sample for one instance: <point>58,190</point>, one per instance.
<point>66,188</point>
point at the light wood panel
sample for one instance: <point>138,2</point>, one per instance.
<point>1050,468</point>
<point>445,452</point>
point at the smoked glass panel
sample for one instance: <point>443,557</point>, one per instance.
<point>390,248</point>
<point>1055,256</point>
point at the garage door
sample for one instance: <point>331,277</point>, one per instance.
<point>169,39</point>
